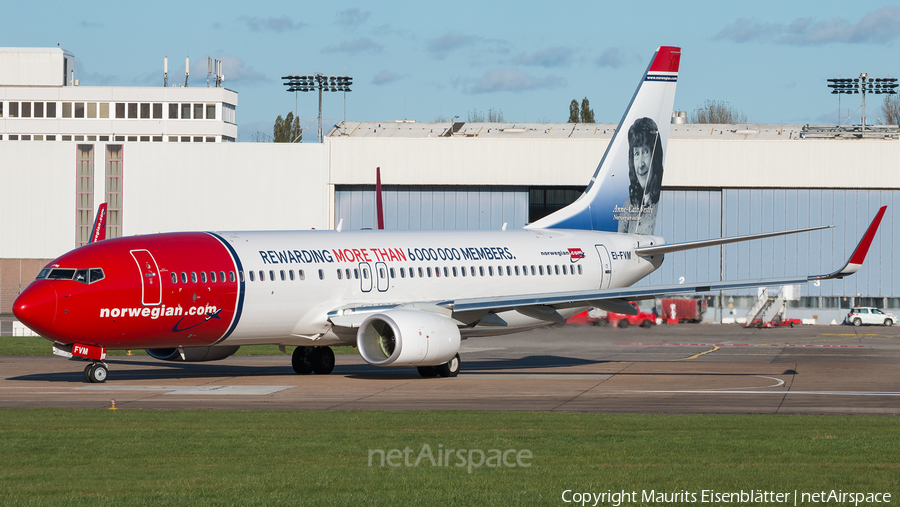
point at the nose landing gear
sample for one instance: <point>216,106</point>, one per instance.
<point>96,373</point>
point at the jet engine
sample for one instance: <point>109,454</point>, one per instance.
<point>407,338</point>
<point>193,354</point>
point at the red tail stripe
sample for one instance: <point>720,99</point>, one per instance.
<point>860,254</point>
<point>667,59</point>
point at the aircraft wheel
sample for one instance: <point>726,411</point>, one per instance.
<point>87,373</point>
<point>300,361</point>
<point>98,373</point>
<point>450,368</point>
<point>428,371</point>
<point>888,322</point>
<point>322,359</point>
<point>857,322</point>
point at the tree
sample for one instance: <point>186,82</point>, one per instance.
<point>890,109</point>
<point>287,130</point>
<point>493,116</point>
<point>587,114</point>
<point>717,111</point>
<point>573,111</point>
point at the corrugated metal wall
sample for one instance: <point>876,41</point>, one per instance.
<point>696,214</point>
<point>432,207</point>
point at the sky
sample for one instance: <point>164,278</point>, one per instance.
<point>432,61</point>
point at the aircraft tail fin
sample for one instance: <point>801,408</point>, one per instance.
<point>623,194</point>
<point>98,232</point>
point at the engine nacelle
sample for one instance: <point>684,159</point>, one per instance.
<point>407,338</point>
<point>194,354</point>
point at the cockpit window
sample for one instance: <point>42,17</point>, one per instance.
<point>85,276</point>
<point>61,274</point>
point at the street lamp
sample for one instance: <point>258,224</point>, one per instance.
<point>321,82</point>
<point>862,85</point>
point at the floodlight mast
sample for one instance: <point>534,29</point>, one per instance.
<point>862,85</point>
<point>318,81</point>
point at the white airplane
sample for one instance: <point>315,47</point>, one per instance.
<point>404,298</point>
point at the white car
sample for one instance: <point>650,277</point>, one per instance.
<point>869,315</point>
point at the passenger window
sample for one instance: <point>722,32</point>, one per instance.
<point>564,270</point>
<point>454,271</point>
<point>549,271</point>
<point>301,275</point>
<point>203,276</point>
<point>556,269</point>
<point>282,275</point>
<point>222,276</point>
<point>97,275</point>
<point>532,270</point>
<point>212,276</point>
<point>421,273</point>
<point>499,270</point>
<point>183,277</point>
<point>252,276</point>
<point>271,275</point>
<point>402,272</point>
<point>194,276</point>
<point>481,270</point>
<point>517,270</point>
<point>365,273</point>
<point>429,272</point>
<point>174,278</point>
<point>355,274</point>
<point>508,271</point>
<point>348,273</point>
<point>462,271</point>
<point>291,274</point>
<point>262,276</point>
<point>393,273</point>
<point>472,270</point>
<point>579,269</point>
<point>340,274</point>
<point>321,274</point>
<point>541,270</point>
<point>437,272</point>
<point>381,273</point>
<point>241,274</point>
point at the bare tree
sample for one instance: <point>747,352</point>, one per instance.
<point>717,111</point>
<point>890,109</point>
<point>493,116</point>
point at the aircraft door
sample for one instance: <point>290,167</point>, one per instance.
<point>365,276</point>
<point>605,266</point>
<point>381,274</point>
<point>151,285</point>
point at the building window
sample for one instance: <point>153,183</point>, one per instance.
<point>51,109</point>
<point>51,137</point>
<point>157,111</point>
<point>38,109</point>
<point>13,137</point>
<point>79,109</point>
<point>210,111</point>
<point>120,110</point>
<point>228,113</point>
<point>114,174</point>
<point>104,109</point>
<point>185,111</point>
<point>210,139</point>
<point>132,110</point>
<point>84,193</point>
<point>26,109</point>
<point>198,139</point>
<point>79,138</point>
<point>1,109</point>
<point>26,137</point>
<point>92,110</point>
<point>132,138</point>
<point>145,111</point>
<point>173,139</point>
<point>157,139</point>
<point>173,111</point>
<point>198,111</point>
<point>91,138</point>
<point>185,139</point>
<point>13,109</point>
<point>145,139</point>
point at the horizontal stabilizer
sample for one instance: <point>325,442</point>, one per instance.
<point>649,251</point>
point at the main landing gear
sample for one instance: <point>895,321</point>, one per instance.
<point>319,360</point>
<point>96,373</point>
<point>449,369</point>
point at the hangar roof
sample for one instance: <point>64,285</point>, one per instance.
<point>412,129</point>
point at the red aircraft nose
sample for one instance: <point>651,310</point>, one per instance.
<point>36,307</point>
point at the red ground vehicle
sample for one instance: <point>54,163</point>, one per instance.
<point>680,310</point>
<point>643,319</point>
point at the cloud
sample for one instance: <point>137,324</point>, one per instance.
<point>610,57</point>
<point>449,42</point>
<point>235,70</point>
<point>363,44</point>
<point>353,17</point>
<point>880,26</point>
<point>548,57</point>
<point>90,24</point>
<point>271,24</point>
<point>510,80</point>
<point>384,77</point>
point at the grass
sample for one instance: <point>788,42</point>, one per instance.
<point>123,457</point>
<point>37,346</point>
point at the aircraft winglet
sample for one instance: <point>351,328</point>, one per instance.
<point>98,232</point>
<point>859,254</point>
